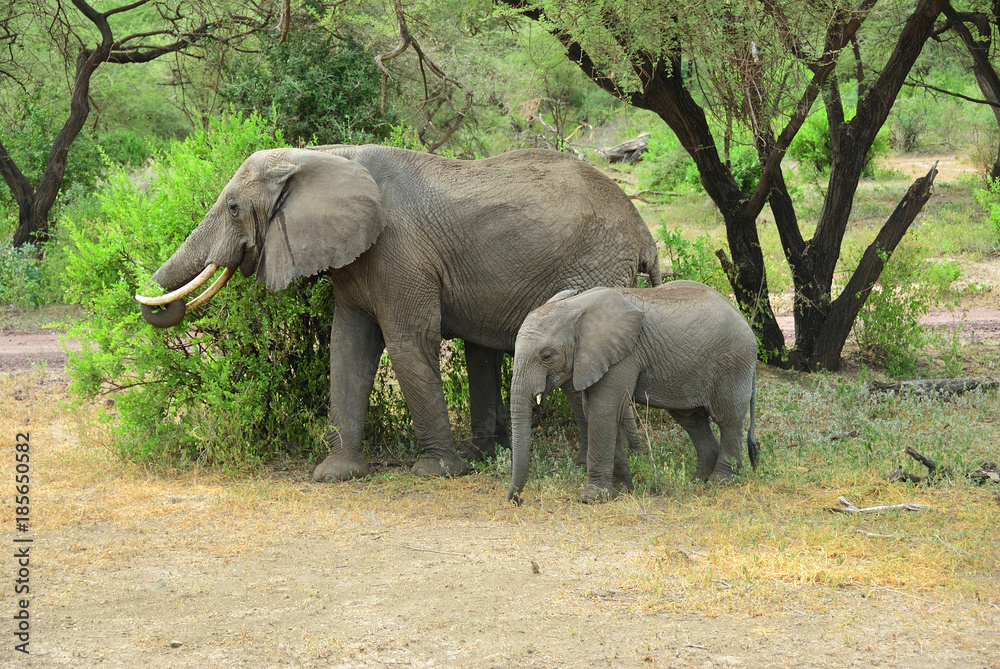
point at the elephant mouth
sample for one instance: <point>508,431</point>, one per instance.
<point>171,305</point>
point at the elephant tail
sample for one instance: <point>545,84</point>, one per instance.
<point>649,263</point>
<point>753,447</point>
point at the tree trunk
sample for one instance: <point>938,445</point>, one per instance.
<point>982,67</point>
<point>844,310</point>
<point>662,90</point>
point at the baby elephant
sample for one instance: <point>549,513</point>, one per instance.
<point>681,346</point>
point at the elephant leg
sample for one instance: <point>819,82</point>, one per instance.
<point>606,403</point>
<point>622,477</point>
<point>354,358</point>
<point>416,362</point>
<point>575,399</point>
<point>695,422</point>
<point>731,453</point>
<point>488,413</point>
<point>631,431</point>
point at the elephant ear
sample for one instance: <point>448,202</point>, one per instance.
<point>329,212</point>
<point>606,331</point>
<point>562,295</point>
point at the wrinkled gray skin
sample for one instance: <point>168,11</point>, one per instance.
<point>418,247</point>
<point>681,347</point>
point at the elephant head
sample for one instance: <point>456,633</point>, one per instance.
<point>571,338</point>
<point>285,214</point>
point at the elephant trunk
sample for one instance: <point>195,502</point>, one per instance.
<point>184,273</point>
<point>522,394</point>
<point>187,262</point>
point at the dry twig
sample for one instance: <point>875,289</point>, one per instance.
<point>847,507</point>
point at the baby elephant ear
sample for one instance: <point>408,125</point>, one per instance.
<point>562,295</point>
<point>329,213</point>
<point>607,330</point>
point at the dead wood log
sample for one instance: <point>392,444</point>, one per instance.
<point>627,152</point>
<point>932,386</point>
<point>847,507</point>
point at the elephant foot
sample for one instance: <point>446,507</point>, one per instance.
<point>592,493</point>
<point>480,450</point>
<point>702,473</point>
<point>450,465</point>
<point>722,476</point>
<point>580,459</point>
<point>341,468</point>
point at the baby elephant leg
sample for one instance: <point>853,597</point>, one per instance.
<point>695,422</point>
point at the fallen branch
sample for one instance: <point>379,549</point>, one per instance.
<point>627,152</point>
<point>639,195</point>
<point>933,386</point>
<point>431,550</point>
<point>847,507</point>
<point>987,472</point>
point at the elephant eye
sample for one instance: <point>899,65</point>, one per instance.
<point>234,209</point>
<point>547,355</point>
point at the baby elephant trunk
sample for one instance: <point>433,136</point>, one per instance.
<point>522,395</point>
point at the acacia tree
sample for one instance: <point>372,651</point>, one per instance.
<point>768,62</point>
<point>89,39</point>
<point>985,21</point>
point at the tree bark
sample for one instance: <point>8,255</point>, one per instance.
<point>844,310</point>
<point>35,203</point>
<point>982,67</point>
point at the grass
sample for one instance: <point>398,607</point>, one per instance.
<point>767,542</point>
<point>763,542</point>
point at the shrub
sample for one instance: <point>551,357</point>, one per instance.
<point>694,260</point>
<point>315,88</point>
<point>22,282</point>
<point>243,379</point>
<point>989,200</point>
<point>666,165</point>
<point>888,327</point>
<point>812,148</point>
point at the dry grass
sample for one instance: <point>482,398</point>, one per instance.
<point>769,541</point>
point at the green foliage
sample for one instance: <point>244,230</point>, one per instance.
<point>666,166</point>
<point>315,88</point>
<point>28,137</point>
<point>812,148</point>
<point>694,260</point>
<point>243,379</point>
<point>22,281</point>
<point>888,327</point>
<point>744,164</point>
<point>989,200</point>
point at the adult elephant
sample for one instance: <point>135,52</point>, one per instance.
<point>418,247</point>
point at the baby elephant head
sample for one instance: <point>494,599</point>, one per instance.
<point>570,338</point>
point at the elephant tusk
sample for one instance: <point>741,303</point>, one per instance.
<point>212,290</point>
<point>182,292</point>
<point>538,398</point>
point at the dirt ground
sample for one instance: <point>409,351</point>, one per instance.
<point>130,569</point>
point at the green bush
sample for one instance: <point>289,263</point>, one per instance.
<point>694,260</point>
<point>315,88</point>
<point>812,148</point>
<point>989,200</point>
<point>888,327</point>
<point>22,281</point>
<point>242,380</point>
<point>666,166</point>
